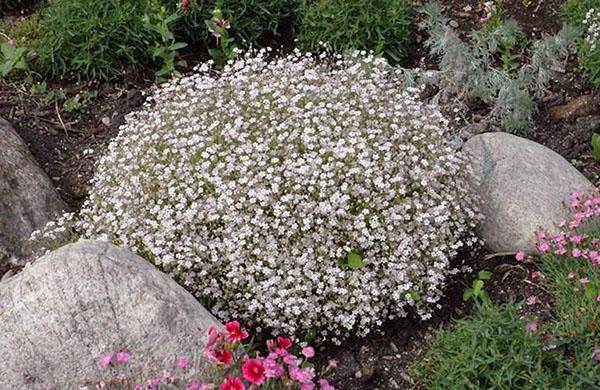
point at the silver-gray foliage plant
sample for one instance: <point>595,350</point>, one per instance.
<point>468,69</point>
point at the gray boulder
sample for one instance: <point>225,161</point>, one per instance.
<point>71,307</point>
<point>523,187</point>
<point>28,199</point>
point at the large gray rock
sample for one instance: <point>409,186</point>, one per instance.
<point>63,313</point>
<point>523,187</point>
<point>28,200</point>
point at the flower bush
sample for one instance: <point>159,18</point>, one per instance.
<point>236,365</point>
<point>297,194</point>
<point>591,49</point>
<point>574,238</point>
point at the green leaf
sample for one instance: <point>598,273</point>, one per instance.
<point>477,287</point>
<point>414,295</point>
<point>355,261</point>
<point>485,298</point>
<point>468,294</point>
<point>484,275</point>
<point>596,146</point>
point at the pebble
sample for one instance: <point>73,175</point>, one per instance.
<point>453,24</point>
<point>468,8</point>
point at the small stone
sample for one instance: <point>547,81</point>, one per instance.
<point>106,121</point>
<point>468,8</point>
<point>393,346</point>
<point>575,108</point>
<point>453,24</point>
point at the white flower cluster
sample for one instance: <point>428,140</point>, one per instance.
<point>297,194</point>
<point>592,21</point>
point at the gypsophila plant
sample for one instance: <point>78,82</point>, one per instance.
<point>489,67</point>
<point>296,194</point>
<point>590,53</point>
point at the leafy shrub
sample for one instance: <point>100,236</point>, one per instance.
<point>249,19</point>
<point>380,25</point>
<point>94,39</point>
<point>488,67</point>
<point>294,194</point>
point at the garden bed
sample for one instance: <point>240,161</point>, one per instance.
<point>68,144</point>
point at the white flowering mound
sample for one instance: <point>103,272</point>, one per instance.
<point>592,22</point>
<point>296,194</point>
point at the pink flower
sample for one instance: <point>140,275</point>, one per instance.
<point>598,298</point>
<point>584,281</point>
<point>197,386</point>
<point>182,362</point>
<point>214,337</point>
<point>543,247</point>
<point>576,252</point>
<point>185,4</point>
<point>232,384</point>
<point>533,300</point>
<point>596,355</point>
<point>122,357</point>
<point>106,360</point>
<point>301,375</point>
<point>308,352</point>
<point>235,334</point>
<point>325,385</point>
<point>138,387</point>
<point>153,383</point>
<point>220,356</point>
<point>532,326</point>
<point>520,256</point>
<point>272,368</point>
<point>254,371</point>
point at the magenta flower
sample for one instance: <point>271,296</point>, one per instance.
<point>576,252</point>
<point>106,360</point>
<point>235,333</point>
<point>598,298</point>
<point>254,371</point>
<point>543,247</point>
<point>308,352</point>
<point>533,300</point>
<point>123,357</point>
<point>272,368</point>
<point>532,326</point>
<point>182,362</point>
<point>325,385</point>
<point>214,337</point>
<point>520,256</point>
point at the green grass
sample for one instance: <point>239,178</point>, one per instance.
<point>574,10</point>
<point>493,348</point>
<point>378,25</point>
